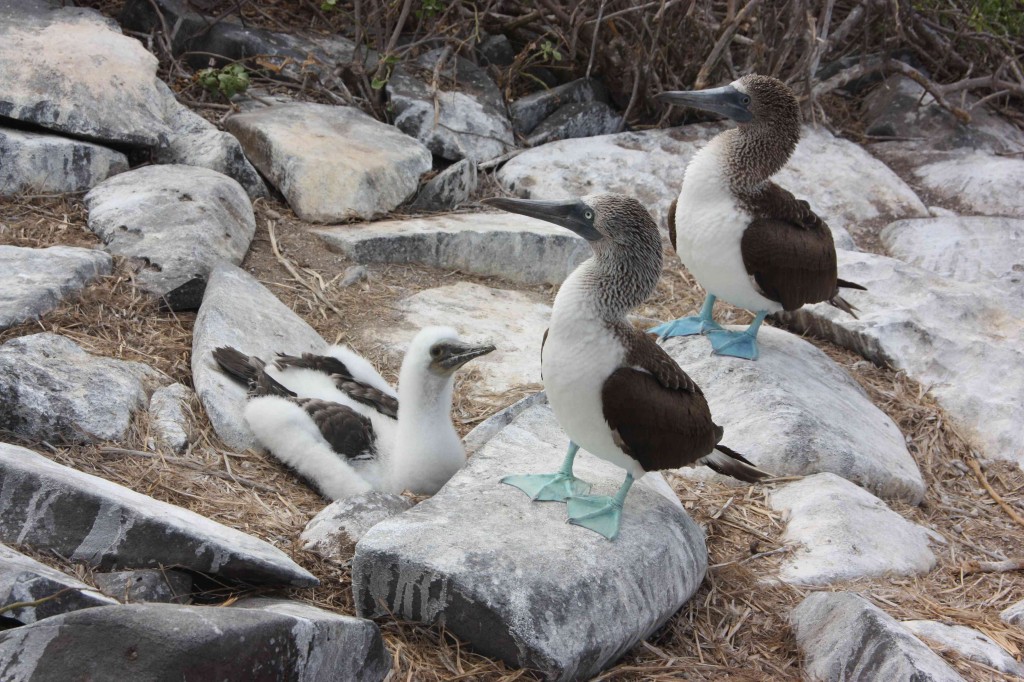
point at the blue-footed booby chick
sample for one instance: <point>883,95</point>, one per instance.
<point>744,238</point>
<point>614,391</point>
<point>336,421</point>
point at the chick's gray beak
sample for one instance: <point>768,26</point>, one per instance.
<point>571,214</point>
<point>727,101</point>
<point>458,354</point>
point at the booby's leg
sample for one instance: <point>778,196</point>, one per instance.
<point>600,513</point>
<point>738,344</point>
<point>688,326</point>
<point>552,487</point>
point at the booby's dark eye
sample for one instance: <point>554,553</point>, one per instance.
<point>745,100</point>
<point>589,215</point>
<point>435,352</point>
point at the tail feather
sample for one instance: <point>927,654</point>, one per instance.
<point>249,370</point>
<point>728,462</point>
<point>843,284</point>
<point>838,301</point>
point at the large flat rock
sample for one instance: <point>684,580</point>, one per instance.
<point>51,389</point>
<point>86,518</point>
<point>181,221</point>
<point>979,182</point>
<point>843,183</point>
<point>956,338</point>
<point>517,582</point>
<point>158,642</point>
<point>506,245</point>
<point>24,580</point>
<point>842,532</point>
<point>334,532</point>
<point>796,412</point>
<point>843,636</point>
<point>967,642</point>
<point>332,163</point>
<point>511,320</point>
<point>238,311</point>
<point>34,281</point>
<point>36,163</point>
<point>71,70</point>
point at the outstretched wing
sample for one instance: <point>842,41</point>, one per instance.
<point>342,373</point>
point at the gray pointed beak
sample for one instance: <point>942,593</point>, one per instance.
<point>458,354</point>
<point>727,101</point>
<point>571,214</point>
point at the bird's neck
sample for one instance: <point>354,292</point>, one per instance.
<point>614,281</point>
<point>754,152</point>
<point>427,447</point>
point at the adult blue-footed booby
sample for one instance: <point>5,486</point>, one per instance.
<point>614,391</point>
<point>745,239</point>
<point>340,425</point>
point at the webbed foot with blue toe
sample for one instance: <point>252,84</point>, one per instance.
<point>689,326</point>
<point>738,344</point>
<point>555,487</point>
<point>599,513</point>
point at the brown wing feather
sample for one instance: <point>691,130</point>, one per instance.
<point>349,433</point>
<point>660,428</point>
<point>357,390</point>
<point>672,223</point>
<point>318,363</point>
<point>643,352</point>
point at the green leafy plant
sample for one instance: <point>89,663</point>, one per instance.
<point>429,9</point>
<point>229,81</point>
<point>549,53</point>
<point>328,5</point>
<point>382,79</point>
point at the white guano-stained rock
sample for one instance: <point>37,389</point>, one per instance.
<point>514,247</point>
<point>1014,614</point>
<point>843,636</point>
<point>36,163</point>
<point>956,338</point>
<point>513,579</point>
<point>448,189</point>
<point>982,183</point>
<point>51,389</point>
<point>796,412</point>
<point>34,281</point>
<point>331,163</point>
<point>181,221</point>
<point>511,320</point>
<point>967,642</point>
<point>238,311</point>
<point>842,532</point>
<point>71,70</point>
<point>168,422</point>
<point>24,580</point>
<point>86,518</point>
<point>334,532</point>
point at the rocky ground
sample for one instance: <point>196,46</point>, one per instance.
<point>133,498</point>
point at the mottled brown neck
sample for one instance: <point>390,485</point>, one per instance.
<point>757,151</point>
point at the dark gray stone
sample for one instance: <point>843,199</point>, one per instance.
<point>334,532</point>
<point>170,643</point>
<point>449,188</point>
<point>181,221</point>
<point>496,50</point>
<point>48,164</point>
<point>85,518</point>
<point>843,636</point>
<point>34,281</point>
<point>517,582</point>
<point>581,119</point>
<point>51,389</point>
<point>528,112</point>
<point>146,585</point>
<point>23,579</point>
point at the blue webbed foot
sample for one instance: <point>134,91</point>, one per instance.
<point>734,344</point>
<point>600,513</point>
<point>685,326</point>
<point>548,487</point>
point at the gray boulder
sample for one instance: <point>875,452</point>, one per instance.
<point>238,311</point>
<point>334,532</point>
<point>168,422</point>
<point>796,412</point>
<point>957,338</point>
<point>464,119</point>
<point>164,642</point>
<point>71,70</point>
<point>164,586</point>
<point>978,182</point>
<point>49,164</point>
<point>51,389</point>
<point>1014,614</point>
<point>24,580</point>
<point>843,636</point>
<point>180,221</point>
<point>842,532</point>
<point>34,281</point>
<point>448,189</point>
<point>528,112</point>
<point>513,579</point>
<point>505,245</point>
<point>85,518</point>
<point>967,642</point>
<point>332,163</point>
<point>583,119</point>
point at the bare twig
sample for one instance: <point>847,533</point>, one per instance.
<point>1004,566</point>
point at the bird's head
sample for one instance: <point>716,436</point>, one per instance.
<point>750,99</point>
<point>439,351</point>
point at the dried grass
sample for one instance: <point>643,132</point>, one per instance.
<point>733,629</point>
